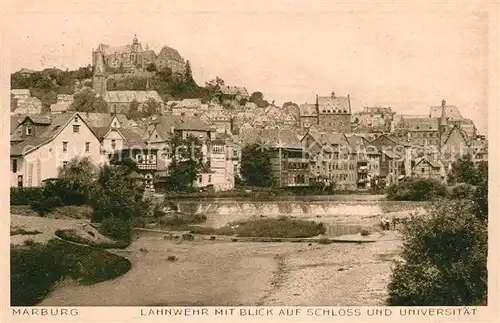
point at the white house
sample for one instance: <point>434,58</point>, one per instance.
<point>40,145</point>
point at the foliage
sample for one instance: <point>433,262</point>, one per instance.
<point>416,190</point>
<point>75,181</point>
<point>151,67</point>
<point>150,107</point>
<point>256,166</point>
<point>214,85</point>
<point>133,112</point>
<point>25,195</point>
<point>116,228</point>
<point>87,100</point>
<point>115,196</point>
<point>462,191</point>
<point>444,258</point>
<point>125,162</point>
<point>464,170</point>
<point>480,201</point>
<point>47,203</point>
<point>187,160</point>
<point>280,228</point>
<point>35,269</point>
<point>180,218</point>
<point>258,99</point>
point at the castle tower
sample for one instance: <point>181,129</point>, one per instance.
<point>99,80</point>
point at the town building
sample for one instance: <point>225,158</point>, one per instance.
<point>20,94</point>
<point>120,101</point>
<point>29,105</point>
<point>427,168</point>
<point>170,58</point>
<point>227,94</point>
<point>59,108</point>
<point>329,113</point>
<point>373,119</point>
<point>40,145</point>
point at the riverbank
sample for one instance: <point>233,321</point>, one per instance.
<point>226,273</point>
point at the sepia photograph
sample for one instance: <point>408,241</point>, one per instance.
<point>196,154</point>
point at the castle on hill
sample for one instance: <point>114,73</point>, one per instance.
<point>133,58</point>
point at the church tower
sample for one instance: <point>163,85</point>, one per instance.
<point>443,123</point>
<point>99,80</point>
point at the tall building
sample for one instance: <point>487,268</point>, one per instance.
<point>329,113</point>
<point>133,58</point>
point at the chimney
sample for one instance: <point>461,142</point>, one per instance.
<point>443,103</point>
<point>333,94</point>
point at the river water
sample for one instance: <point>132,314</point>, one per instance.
<point>340,214</point>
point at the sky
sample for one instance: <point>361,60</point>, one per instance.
<point>407,56</point>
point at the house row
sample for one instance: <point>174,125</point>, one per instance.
<point>42,144</point>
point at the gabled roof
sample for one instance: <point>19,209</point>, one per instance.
<point>432,163</point>
<point>59,107</point>
<point>451,112</point>
<point>166,123</point>
<point>456,129</point>
<point>39,119</point>
<point>56,125</point>
<point>233,90</point>
<point>284,138</point>
<point>307,110</point>
<point>131,138</point>
<point>129,96</point>
<point>339,103</point>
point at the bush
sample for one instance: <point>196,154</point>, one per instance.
<point>35,269</point>
<point>25,195</point>
<point>180,219</point>
<point>70,235</point>
<point>116,228</point>
<point>46,204</point>
<point>280,228</point>
<point>462,191</point>
<point>444,259</point>
<point>365,232</point>
<point>223,231</point>
<point>417,190</point>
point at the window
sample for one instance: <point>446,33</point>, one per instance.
<point>76,128</point>
<point>75,119</point>
<point>423,170</point>
<point>65,163</point>
<point>87,147</point>
<point>113,144</point>
<point>210,178</point>
<point>14,165</point>
<point>65,146</point>
<point>20,181</point>
<point>200,179</point>
<point>29,131</point>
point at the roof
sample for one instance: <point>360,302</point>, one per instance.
<point>59,107</point>
<point>391,154</point>
<point>195,103</point>
<point>233,90</point>
<point>284,138</point>
<point>57,121</point>
<point>450,110</point>
<point>101,132</point>
<point>20,92</point>
<point>166,123</point>
<point>15,121</point>
<point>168,53</point>
<point>420,124</point>
<point>129,96</point>
<point>307,110</point>
<point>43,119</point>
<point>131,137</point>
<point>339,103</point>
<point>97,120</point>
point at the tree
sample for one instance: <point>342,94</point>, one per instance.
<point>133,112</point>
<point>151,67</point>
<point>444,258</point>
<point>213,86</point>
<point>187,160</point>
<point>189,74</point>
<point>88,101</point>
<point>150,107</point>
<point>256,166</point>
<point>464,171</point>
<point>258,99</point>
<point>115,196</point>
<point>76,181</point>
<point>125,162</point>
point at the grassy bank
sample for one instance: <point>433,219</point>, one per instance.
<point>35,268</point>
<point>283,227</point>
